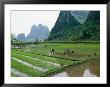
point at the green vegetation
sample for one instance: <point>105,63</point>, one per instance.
<point>74,43</point>
<point>39,57</point>
<point>80,49</point>
<point>65,31</point>
<point>14,75</point>
<point>38,63</point>
<point>25,69</point>
<point>14,40</point>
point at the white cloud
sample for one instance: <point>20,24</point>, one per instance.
<point>21,21</point>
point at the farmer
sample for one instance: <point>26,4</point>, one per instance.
<point>67,51</point>
<point>51,52</point>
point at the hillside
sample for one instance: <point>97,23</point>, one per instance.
<point>61,29</point>
<point>68,28</point>
<point>81,16</point>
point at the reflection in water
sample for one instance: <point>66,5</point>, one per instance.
<point>91,68</point>
<point>62,74</point>
<point>87,73</point>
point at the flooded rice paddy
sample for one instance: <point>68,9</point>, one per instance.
<point>88,69</point>
<point>35,62</point>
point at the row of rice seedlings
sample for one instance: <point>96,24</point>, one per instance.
<point>30,65</point>
<point>81,60</point>
<point>35,56</point>
<point>47,58</point>
<point>16,50</point>
<point>14,75</point>
<point>51,71</point>
<point>18,73</point>
<point>54,70</point>
<point>66,62</point>
<point>47,62</point>
<point>43,61</point>
<point>25,69</point>
<point>34,62</point>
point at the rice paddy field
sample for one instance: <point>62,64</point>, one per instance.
<point>35,61</point>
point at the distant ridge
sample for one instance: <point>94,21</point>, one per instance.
<point>37,33</point>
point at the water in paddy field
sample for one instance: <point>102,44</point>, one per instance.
<point>88,69</point>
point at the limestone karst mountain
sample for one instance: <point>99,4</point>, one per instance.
<point>40,32</point>
<point>68,28</point>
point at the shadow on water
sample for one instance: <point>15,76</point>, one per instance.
<point>88,69</point>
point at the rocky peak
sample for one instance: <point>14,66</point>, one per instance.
<point>39,32</point>
<point>21,37</point>
<point>65,19</point>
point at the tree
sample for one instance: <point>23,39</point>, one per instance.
<point>37,42</point>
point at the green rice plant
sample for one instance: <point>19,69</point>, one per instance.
<point>13,75</point>
<point>47,58</point>
<point>25,69</point>
<point>38,63</point>
<point>82,50</point>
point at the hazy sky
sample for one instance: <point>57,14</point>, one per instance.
<point>22,21</point>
